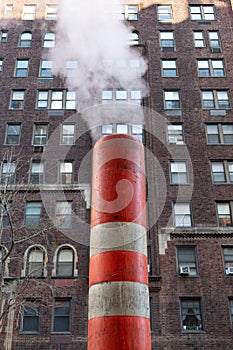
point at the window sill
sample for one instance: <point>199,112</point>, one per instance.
<point>193,332</point>
<point>61,333</point>
<point>28,333</point>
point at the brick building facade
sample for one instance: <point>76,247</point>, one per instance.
<point>45,147</point>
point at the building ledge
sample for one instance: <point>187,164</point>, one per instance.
<point>166,234</point>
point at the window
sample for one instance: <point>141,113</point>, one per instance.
<point>122,128</point>
<point>175,134</point>
<point>228,258</point>
<point>215,99</point>
<point>205,12</point>
<point>67,134</point>
<point>64,214</point>
<point>134,38</point>
<point>13,134</point>
<point>224,212</point>
<point>25,39</point>
<point>66,173</point>
<point>3,36</point>
<point>191,315</point>
<point>49,40</point>
<point>210,68</point>
<point>65,262</point>
<point>187,258</point>
<point>222,171</point>
<point>71,68</point>
<point>231,310</point>
<point>46,69</point>
<point>8,9</point>
<point>29,12</point>
<point>167,42</point>
<point>56,99</point>
<point>37,173</point>
<point>178,173</point>
<point>122,96</point>
<point>128,12</point>
<point>219,133</point>
<point>199,39</point>
<point>169,68</point>
<point>62,315</point>
<point>171,100</point>
<point>21,69</point>
<point>165,13</point>
<point>6,213</point>
<point>35,263</point>
<point>33,214</point>
<point>40,134</point>
<point>214,40</point>
<point>182,215</point>
<point>17,99</point>
<point>51,12</point>
<point>1,63</point>
<point>8,173</point>
<point>31,316</point>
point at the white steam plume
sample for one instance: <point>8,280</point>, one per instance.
<point>90,33</point>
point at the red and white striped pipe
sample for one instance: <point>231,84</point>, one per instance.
<point>118,316</point>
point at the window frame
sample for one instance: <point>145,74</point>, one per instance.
<point>171,41</point>
<point>38,175</point>
<point>166,71</point>
<point>21,71</point>
<point>3,36</point>
<point>196,40</point>
<point>220,133</point>
<point>178,173</point>
<point>202,14</point>
<point>132,129</point>
<point>51,15</point>
<point>211,69</point>
<point>227,174</point>
<point>67,135</point>
<point>17,101</point>
<point>66,217</point>
<point>29,15</point>
<point>164,15</point>
<point>7,134</point>
<point>227,258</point>
<point>28,41</point>
<point>37,217</point>
<point>192,301</point>
<point>174,134</point>
<point>38,269</point>
<point>40,136</point>
<point>71,263</point>
<point>49,43</point>
<point>191,263</point>
<point>227,218</point>
<point>8,177</point>
<point>215,100</point>
<point>38,317</point>
<point>172,101</point>
<point>184,215</point>
<point>46,72</point>
<point>68,175</point>
<point>69,316</point>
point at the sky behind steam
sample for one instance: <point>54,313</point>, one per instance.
<point>90,33</point>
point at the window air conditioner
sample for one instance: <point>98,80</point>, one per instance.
<point>229,270</point>
<point>184,270</point>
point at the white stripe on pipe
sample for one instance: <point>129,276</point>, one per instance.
<point>118,236</point>
<point>119,298</point>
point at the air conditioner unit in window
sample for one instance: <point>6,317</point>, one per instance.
<point>229,270</point>
<point>38,149</point>
<point>216,49</point>
<point>184,270</point>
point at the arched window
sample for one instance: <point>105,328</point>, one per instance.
<point>134,38</point>
<point>49,40</point>
<point>35,262</point>
<point>65,262</point>
<point>25,39</point>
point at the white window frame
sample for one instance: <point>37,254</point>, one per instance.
<point>13,130</point>
<point>165,13</point>
<point>172,99</point>
<point>178,172</point>
<point>214,101</point>
<point>182,216</point>
<point>68,135</point>
<point>29,12</point>
<point>175,134</point>
<point>199,39</point>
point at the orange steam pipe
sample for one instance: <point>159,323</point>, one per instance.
<point>118,313</point>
